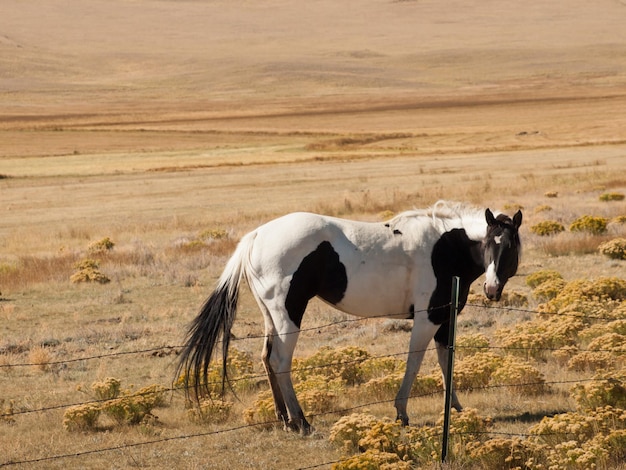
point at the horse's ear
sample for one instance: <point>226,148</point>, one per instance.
<point>517,219</point>
<point>491,220</point>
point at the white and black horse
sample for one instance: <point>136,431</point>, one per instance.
<point>402,268</point>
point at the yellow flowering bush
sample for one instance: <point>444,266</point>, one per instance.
<point>520,377</point>
<point>386,388</point>
<point>589,224</point>
<point>606,197</point>
<point>316,394</point>
<point>594,298</point>
<point>614,249</point>
<point>239,367</point>
<point>107,388</point>
<point>499,453</point>
<point>604,390</point>
<point>210,411</point>
<point>361,432</point>
<point>548,290</point>
<point>547,228</point>
<point>122,406</point>
<point>350,429</point>
<point>82,417</point>
<point>469,344</point>
<point>591,361</point>
<point>262,412</point>
<point>87,271</point>
<point>380,367</point>
<point>579,427</point>
<point>372,459</point>
<point>344,363</point>
<point>475,371</point>
<point>536,338</point>
<point>100,246</point>
<point>539,277</point>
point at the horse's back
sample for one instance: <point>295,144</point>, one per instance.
<point>373,264</point>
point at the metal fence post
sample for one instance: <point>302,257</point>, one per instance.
<point>454,309</point>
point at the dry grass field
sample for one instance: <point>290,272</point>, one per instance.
<point>174,127</point>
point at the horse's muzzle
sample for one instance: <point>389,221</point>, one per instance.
<point>493,291</point>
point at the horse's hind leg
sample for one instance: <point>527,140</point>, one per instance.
<point>281,336</point>
<point>280,360</point>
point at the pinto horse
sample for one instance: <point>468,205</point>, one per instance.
<point>402,268</point>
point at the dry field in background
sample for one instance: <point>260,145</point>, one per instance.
<point>157,123</point>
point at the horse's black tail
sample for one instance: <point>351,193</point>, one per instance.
<point>214,321</point>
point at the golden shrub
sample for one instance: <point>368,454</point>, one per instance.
<point>591,361</point>
<point>107,388</point>
<point>513,298</point>
<point>262,412</point>
<point>380,367</point>
<point>350,429</point>
<point>536,338</point>
<point>547,227</point>
<point>386,387</point>
<point>607,197</point>
<point>240,370</point>
<point>576,426</point>
<point>520,377</point>
<point>344,363</point>
<point>87,271</point>
<point>318,394</point>
<point>602,328</point>
<point>210,411</point>
<point>589,224</point>
<point>475,371</point>
<point>499,453</point>
<point>100,246</point>
<point>386,436</point>
<point>614,249</point>
<point>469,344</point>
<point>604,390</point>
<point>372,460</point>
<point>468,425</point>
<point>82,417</point>
<point>596,298</point>
<point>572,455</point>
<point>122,406</point>
<point>539,277</point>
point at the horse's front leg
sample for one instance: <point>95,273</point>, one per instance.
<point>443,353</point>
<point>421,334</point>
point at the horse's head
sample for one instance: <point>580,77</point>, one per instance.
<point>501,251</point>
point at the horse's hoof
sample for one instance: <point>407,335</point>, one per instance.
<point>404,420</point>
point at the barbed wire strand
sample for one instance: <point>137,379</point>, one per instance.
<point>308,329</point>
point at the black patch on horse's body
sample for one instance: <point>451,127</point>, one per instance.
<point>454,254</point>
<point>397,232</point>
<point>320,273</point>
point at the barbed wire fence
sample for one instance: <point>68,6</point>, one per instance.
<point>353,408</point>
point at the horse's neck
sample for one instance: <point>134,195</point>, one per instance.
<point>455,254</point>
